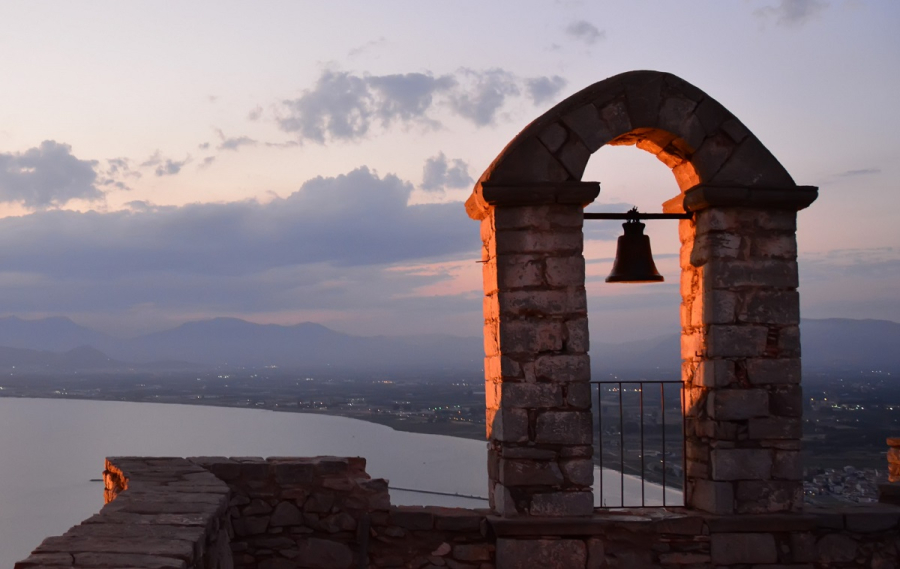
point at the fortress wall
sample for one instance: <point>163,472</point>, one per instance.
<point>326,512</point>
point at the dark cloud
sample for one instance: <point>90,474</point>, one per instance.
<point>327,246</point>
<point>585,32</point>
<point>345,106</point>
<point>793,13</point>
<point>543,89</point>
<point>206,162</point>
<point>164,166</point>
<point>357,218</point>
<point>47,176</point>
<point>439,174</point>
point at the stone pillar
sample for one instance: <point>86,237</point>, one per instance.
<point>741,349</point>
<point>537,369</point>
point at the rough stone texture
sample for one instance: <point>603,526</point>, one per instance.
<point>351,524</point>
<point>537,369</point>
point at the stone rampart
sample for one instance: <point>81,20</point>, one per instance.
<point>325,512</point>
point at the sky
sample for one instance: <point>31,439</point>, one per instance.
<point>285,162</point>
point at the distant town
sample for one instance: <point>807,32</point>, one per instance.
<point>847,415</point>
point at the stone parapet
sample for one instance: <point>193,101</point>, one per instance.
<point>325,512</point>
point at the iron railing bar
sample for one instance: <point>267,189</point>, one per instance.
<point>662,406</point>
<point>600,437</point>
<point>643,500</point>
<point>621,450</point>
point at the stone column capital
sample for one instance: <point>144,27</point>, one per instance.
<point>488,195</point>
<point>792,199</point>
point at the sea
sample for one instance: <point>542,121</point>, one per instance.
<point>51,449</point>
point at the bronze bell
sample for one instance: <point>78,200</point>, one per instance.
<point>634,261</point>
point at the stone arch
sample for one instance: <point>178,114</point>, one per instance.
<point>739,312</point>
<point>686,129</point>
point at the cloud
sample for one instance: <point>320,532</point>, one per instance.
<point>585,32</point>
<point>792,13</point>
<point>543,89</point>
<point>368,46</point>
<point>235,143</point>
<point>861,172</point>
<point>486,93</point>
<point>164,166</point>
<point>326,246</point>
<point>255,114</point>
<point>206,162</point>
<point>343,106</point>
<point>48,175</point>
<point>438,174</point>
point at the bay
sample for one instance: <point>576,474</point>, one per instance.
<point>51,449</point>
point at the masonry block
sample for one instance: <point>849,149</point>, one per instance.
<point>508,425</point>
<point>710,496</point>
<point>774,428</point>
<point>529,473</point>
<point>735,548</point>
<point>771,307</point>
<point>740,464</point>
<point>519,271</point>
<point>562,504</point>
<point>544,553</point>
<point>773,371</point>
<point>563,368</point>
<point>725,341</point>
<point>565,271</point>
<point>737,404</point>
<point>564,427</point>
<point>531,395</point>
<point>765,496</point>
<point>774,273</point>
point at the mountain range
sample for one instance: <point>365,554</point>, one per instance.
<point>58,344</point>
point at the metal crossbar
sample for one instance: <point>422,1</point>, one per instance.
<point>642,404</point>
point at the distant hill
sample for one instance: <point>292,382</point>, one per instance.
<point>77,360</point>
<point>830,344</point>
<point>827,344</point>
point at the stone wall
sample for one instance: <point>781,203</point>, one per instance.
<point>325,512</point>
<point>276,513</point>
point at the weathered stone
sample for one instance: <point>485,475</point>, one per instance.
<point>544,553</point>
<point>579,472</point>
<point>256,507</point>
<point>412,518</point>
<point>286,514</point>
<point>564,271</point>
<point>587,124</point>
<point>772,307</point>
<point>762,273</point>
<point>774,428</point>
<point>716,373</point>
<point>324,554</point>
<point>836,548</point>
<point>740,464</point>
<point>529,473</point>
<point>132,561</point>
<point>762,496</point>
<point>737,404</point>
<point>787,465</point>
<point>786,401</point>
<point>574,156</point>
<point>556,243</point>
<point>723,341</point>
<point>578,395</point>
<point>531,395</point>
<point>773,371</point>
<point>577,335</point>
<point>553,136</point>
<point>518,271</point>
<point>733,548</point>
<point>473,552</point>
<point>710,496</point>
<point>873,520</point>
<point>563,368</point>
<point>562,504</point>
<point>509,425</point>
<point>564,427</point>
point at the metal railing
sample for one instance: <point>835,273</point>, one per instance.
<point>640,433</point>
